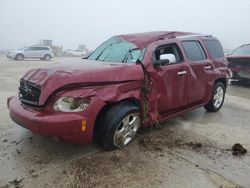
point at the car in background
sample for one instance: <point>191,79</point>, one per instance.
<point>41,52</point>
<point>239,63</point>
<point>75,53</point>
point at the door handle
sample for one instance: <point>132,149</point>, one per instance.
<point>208,67</point>
<point>182,72</point>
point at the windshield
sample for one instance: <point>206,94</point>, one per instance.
<point>117,50</point>
<point>242,50</point>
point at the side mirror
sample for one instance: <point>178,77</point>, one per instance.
<point>165,59</point>
<point>170,57</point>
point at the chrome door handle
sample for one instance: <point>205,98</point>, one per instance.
<point>182,73</point>
<point>208,67</point>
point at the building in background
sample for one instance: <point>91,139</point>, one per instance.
<point>46,42</point>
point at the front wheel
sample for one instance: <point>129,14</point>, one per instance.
<point>19,57</point>
<point>119,126</point>
<point>218,97</point>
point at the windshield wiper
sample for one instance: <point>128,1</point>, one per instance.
<point>103,51</point>
<point>129,53</point>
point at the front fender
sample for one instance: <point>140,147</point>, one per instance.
<point>100,96</point>
<point>107,93</point>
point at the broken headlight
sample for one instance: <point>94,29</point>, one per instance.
<point>71,104</point>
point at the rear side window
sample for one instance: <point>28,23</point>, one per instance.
<point>43,48</point>
<point>194,50</point>
<point>35,48</point>
<point>214,48</point>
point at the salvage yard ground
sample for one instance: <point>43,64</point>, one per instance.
<point>191,150</point>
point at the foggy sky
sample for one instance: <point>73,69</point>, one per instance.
<point>72,22</point>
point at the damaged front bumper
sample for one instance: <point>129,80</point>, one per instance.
<point>73,127</point>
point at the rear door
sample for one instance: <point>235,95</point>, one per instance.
<point>30,52</point>
<point>201,78</point>
<point>42,51</point>
<point>172,79</point>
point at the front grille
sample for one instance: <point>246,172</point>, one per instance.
<point>29,93</point>
<point>239,63</point>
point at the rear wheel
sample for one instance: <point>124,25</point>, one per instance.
<point>19,57</point>
<point>47,57</point>
<point>217,100</point>
<point>118,126</point>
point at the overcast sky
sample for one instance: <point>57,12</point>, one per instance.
<point>72,22</point>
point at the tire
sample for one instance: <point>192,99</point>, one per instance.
<point>118,126</point>
<point>19,57</point>
<point>218,97</point>
<point>47,57</point>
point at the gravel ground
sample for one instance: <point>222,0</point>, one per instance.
<point>191,150</point>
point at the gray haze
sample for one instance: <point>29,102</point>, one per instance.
<point>73,22</point>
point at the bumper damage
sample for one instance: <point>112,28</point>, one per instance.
<point>73,127</point>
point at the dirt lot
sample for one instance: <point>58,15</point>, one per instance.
<point>191,150</point>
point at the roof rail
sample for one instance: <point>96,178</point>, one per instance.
<point>187,36</point>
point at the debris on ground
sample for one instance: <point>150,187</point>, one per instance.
<point>64,172</point>
<point>194,145</point>
<point>152,144</point>
<point>5,140</point>
<point>16,183</point>
<point>33,174</point>
<point>31,171</point>
<point>18,142</point>
<point>115,158</point>
<point>238,150</point>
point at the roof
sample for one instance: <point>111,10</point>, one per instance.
<point>142,40</point>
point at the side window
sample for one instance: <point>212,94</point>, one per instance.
<point>214,48</point>
<point>45,48</point>
<point>36,48</point>
<point>194,50</point>
<point>169,49</point>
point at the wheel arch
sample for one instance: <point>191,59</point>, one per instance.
<point>19,54</point>
<point>47,54</point>
<point>222,80</point>
<point>109,105</point>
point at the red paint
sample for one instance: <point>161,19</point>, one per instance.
<point>105,83</point>
<point>240,66</point>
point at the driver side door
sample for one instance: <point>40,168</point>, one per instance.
<point>171,79</point>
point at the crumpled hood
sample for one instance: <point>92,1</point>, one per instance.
<point>87,71</point>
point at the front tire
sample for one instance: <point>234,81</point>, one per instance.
<point>19,57</point>
<point>118,126</point>
<point>218,97</point>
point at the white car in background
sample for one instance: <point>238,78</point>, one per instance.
<point>76,53</point>
<point>41,52</point>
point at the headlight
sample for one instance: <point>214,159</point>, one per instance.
<point>71,104</point>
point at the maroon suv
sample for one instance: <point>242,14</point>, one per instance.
<point>128,82</point>
<point>239,63</point>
